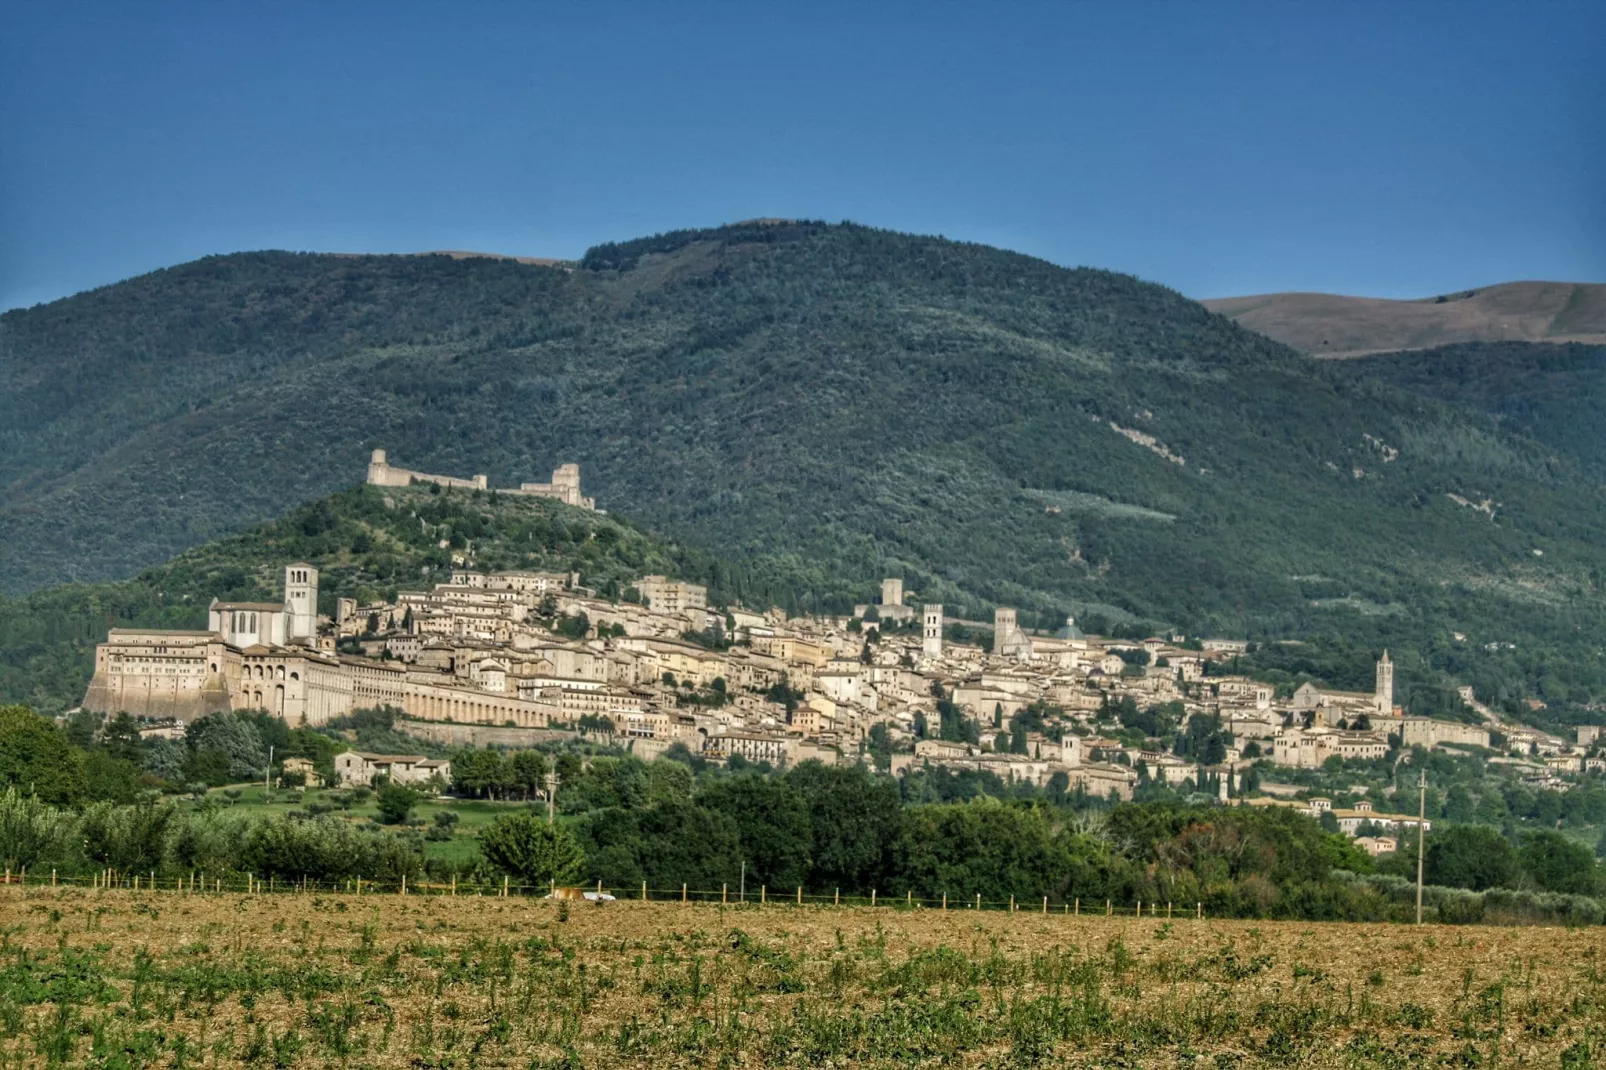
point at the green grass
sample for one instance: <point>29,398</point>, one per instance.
<point>472,814</point>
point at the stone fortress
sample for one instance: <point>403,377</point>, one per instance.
<point>565,485</point>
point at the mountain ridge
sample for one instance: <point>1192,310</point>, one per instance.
<point>1338,326</point>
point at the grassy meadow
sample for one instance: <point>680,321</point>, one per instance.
<point>130,979</point>
<point>472,814</point>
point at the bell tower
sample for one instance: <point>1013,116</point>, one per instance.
<point>1384,694</point>
<point>931,634</point>
<point>301,602</point>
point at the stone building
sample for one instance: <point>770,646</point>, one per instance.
<point>354,768</point>
<point>564,487</point>
<point>931,630</point>
<point>665,595</point>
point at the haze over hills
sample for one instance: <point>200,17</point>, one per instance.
<point>820,404</point>
<point>1331,325</point>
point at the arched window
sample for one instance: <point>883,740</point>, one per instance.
<point>281,672</point>
<point>295,676</point>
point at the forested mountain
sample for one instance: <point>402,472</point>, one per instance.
<point>1335,325</point>
<point>1553,393</point>
<point>368,543</point>
<point>823,404</point>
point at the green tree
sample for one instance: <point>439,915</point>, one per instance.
<point>854,817</point>
<point>36,758</point>
<point>668,781</point>
<point>234,735</point>
<point>526,772</point>
<point>395,802</point>
<point>1559,864</point>
<point>478,774</point>
<point>772,821</point>
<point>1471,856</point>
<point>524,846</point>
<point>34,834</point>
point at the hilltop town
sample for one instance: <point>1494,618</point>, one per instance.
<point>516,658</point>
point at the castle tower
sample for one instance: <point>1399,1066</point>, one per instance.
<point>1385,684</point>
<point>566,482</point>
<point>377,468</point>
<point>1003,628</point>
<point>892,592</point>
<point>931,636</point>
<point>301,600</point>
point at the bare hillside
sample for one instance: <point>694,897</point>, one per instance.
<point>1332,325</point>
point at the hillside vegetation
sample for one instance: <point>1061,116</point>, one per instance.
<point>1334,325</point>
<point>1551,393</point>
<point>822,405</point>
<point>368,543</point>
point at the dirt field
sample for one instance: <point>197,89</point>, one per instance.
<point>130,979</point>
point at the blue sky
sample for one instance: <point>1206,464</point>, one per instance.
<point>1396,149</point>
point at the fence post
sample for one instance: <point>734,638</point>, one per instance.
<point>978,900</point>
<point>643,891</point>
<point>800,895</point>
<point>1198,910</point>
<point>1107,908</point>
<point>504,886</point>
<point>724,894</point>
<point>404,884</point>
<point>1012,904</point>
<point>1168,910</point>
<point>1045,904</point>
<point>599,886</point>
<point>872,897</point>
<point>944,900</point>
<point>1140,908</point>
<point>52,878</point>
<point>683,894</point>
<point>136,879</point>
<point>836,899</point>
<point>762,889</point>
<point>909,898</point>
<point>454,884</point>
<point>1077,908</point>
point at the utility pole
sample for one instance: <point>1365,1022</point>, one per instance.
<point>1421,838</point>
<point>551,795</point>
<point>267,777</point>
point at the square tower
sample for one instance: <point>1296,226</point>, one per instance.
<point>892,592</point>
<point>1003,629</point>
<point>1384,695</point>
<point>931,634</point>
<point>301,602</point>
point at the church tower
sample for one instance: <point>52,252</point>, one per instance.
<point>1385,685</point>
<point>931,635</point>
<point>301,602</point>
<point>1004,628</point>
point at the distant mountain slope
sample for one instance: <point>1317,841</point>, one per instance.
<point>1553,393</point>
<point>1330,325</point>
<point>822,405</point>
